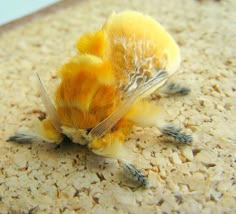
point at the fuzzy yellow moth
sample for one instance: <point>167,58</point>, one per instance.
<point>103,88</point>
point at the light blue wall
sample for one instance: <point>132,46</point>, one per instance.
<point>12,9</point>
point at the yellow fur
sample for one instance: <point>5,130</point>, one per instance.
<point>144,113</point>
<point>107,140</point>
<point>90,88</point>
<point>90,64</point>
<point>46,129</point>
<point>92,43</point>
<point>110,145</point>
<point>87,93</point>
<point>131,33</point>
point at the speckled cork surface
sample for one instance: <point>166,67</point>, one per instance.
<point>70,179</point>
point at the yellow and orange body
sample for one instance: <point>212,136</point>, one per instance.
<point>94,82</point>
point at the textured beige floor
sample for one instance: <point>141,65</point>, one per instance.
<point>70,179</point>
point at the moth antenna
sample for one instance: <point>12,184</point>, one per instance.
<point>132,96</point>
<point>50,109</point>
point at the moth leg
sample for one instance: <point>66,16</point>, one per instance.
<point>146,113</point>
<point>44,132</point>
<point>25,136</point>
<point>115,149</point>
<point>111,145</point>
<point>135,174</point>
<point>175,134</point>
<point>172,89</point>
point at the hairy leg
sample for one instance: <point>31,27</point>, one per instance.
<point>135,174</point>
<point>43,132</point>
<point>25,136</point>
<point>175,134</point>
<point>112,145</point>
<point>172,89</point>
<point>146,113</point>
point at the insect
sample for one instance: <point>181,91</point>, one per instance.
<point>104,89</point>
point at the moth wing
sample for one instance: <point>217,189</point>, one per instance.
<point>50,109</point>
<point>134,91</point>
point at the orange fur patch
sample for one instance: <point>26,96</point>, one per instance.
<point>74,117</point>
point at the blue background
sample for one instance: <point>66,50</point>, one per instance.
<point>12,9</point>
